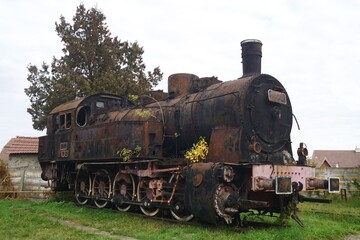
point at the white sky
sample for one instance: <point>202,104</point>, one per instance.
<point>312,47</point>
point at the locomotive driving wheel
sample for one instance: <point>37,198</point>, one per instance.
<point>82,187</point>
<point>101,188</point>
<point>180,213</point>
<point>123,190</point>
<point>146,195</point>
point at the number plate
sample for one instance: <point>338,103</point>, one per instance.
<point>277,97</point>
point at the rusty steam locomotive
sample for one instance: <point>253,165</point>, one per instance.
<point>246,123</point>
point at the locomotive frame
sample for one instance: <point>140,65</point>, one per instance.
<point>111,151</point>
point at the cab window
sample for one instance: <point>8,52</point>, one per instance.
<point>82,115</point>
<point>100,104</point>
<point>64,120</point>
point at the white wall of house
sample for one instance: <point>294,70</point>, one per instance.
<point>25,173</point>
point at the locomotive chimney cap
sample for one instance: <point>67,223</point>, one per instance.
<point>251,56</point>
<point>250,40</point>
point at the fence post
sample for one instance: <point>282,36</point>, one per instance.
<point>343,193</point>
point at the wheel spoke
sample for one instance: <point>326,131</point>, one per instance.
<point>143,193</point>
<point>82,186</point>
<point>180,213</point>
<point>124,190</point>
<point>101,187</point>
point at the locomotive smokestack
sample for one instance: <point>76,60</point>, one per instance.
<point>251,56</point>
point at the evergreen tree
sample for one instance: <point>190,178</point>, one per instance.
<point>93,62</point>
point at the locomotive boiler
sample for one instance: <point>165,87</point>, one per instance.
<point>111,151</point>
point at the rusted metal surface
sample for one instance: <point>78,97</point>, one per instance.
<point>314,183</point>
<point>67,106</point>
<point>348,176</point>
<point>184,83</point>
<point>200,197</point>
<point>108,150</point>
<point>209,194</point>
<point>251,55</point>
<point>106,141</point>
<point>179,84</point>
<point>223,113</point>
<point>270,172</point>
<point>331,184</point>
<point>264,177</point>
<point>263,183</point>
<point>225,145</point>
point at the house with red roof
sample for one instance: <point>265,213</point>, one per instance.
<point>344,164</point>
<point>336,158</point>
<point>20,145</point>
<point>20,155</point>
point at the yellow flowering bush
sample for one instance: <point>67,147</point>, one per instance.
<point>126,153</point>
<point>198,151</point>
<point>144,114</point>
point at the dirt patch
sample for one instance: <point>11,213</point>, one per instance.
<point>89,229</point>
<point>353,237</point>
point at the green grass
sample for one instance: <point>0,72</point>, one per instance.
<point>31,220</point>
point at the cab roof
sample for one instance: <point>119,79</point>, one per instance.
<point>77,102</point>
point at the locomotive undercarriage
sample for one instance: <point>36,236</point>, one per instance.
<point>210,192</point>
<point>138,183</point>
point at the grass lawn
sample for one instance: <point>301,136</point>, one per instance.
<point>64,220</point>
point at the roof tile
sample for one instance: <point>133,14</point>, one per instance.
<point>344,158</point>
<point>24,145</point>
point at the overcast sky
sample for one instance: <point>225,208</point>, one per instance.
<point>311,47</point>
